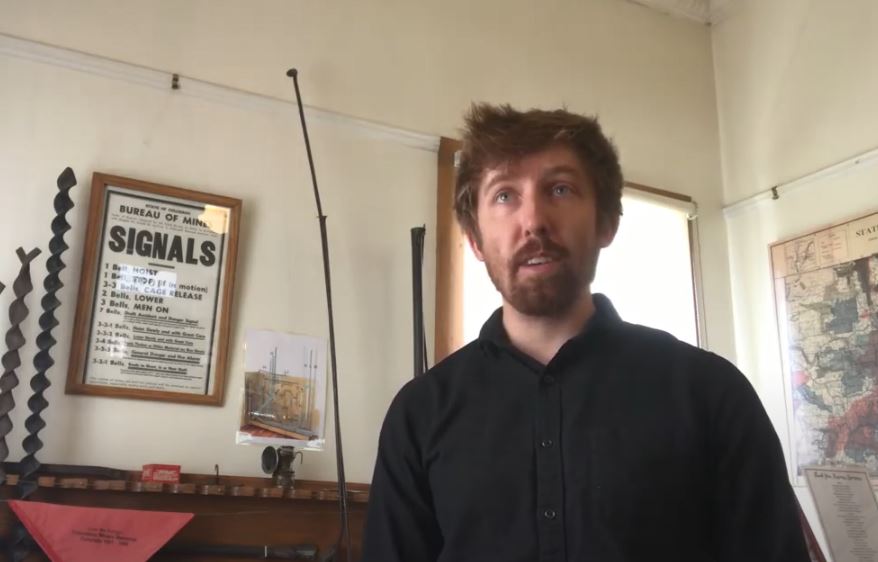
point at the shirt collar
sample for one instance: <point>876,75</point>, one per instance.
<point>604,317</point>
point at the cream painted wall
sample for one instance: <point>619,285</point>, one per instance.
<point>373,192</point>
<point>796,87</point>
<point>796,84</point>
<point>412,65</point>
<point>417,65</point>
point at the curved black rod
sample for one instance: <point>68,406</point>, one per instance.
<point>344,532</point>
<point>419,339</point>
<point>43,359</point>
<point>264,552</point>
<point>70,471</point>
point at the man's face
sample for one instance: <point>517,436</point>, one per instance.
<point>538,231</point>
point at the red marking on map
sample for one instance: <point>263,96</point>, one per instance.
<point>95,534</point>
<point>855,427</point>
<point>800,378</point>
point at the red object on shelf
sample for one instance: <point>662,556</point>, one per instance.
<point>95,534</point>
<point>167,473</point>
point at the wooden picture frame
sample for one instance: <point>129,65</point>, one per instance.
<point>153,314</point>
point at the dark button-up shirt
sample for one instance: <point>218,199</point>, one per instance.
<point>629,446</point>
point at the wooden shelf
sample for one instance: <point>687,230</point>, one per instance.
<point>228,510</point>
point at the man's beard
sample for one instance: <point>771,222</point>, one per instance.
<point>549,295</point>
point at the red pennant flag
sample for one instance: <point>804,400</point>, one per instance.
<point>96,534</point>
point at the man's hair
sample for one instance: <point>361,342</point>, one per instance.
<point>496,135</point>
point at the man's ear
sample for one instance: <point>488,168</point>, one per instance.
<point>472,239</point>
<point>607,230</point>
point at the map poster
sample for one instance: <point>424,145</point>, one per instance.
<point>826,292</point>
<point>152,317</point>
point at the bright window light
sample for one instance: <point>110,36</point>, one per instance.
<point>646,272</point>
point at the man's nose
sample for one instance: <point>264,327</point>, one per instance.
<point>535,215</point>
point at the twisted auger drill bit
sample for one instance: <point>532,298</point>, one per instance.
<point>14,340</point>
<point>19,543</point>
<point>43,360</point>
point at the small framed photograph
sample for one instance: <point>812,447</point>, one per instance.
<point>153,315</point>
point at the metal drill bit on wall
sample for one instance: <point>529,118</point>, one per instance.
<point>43,359</point>
<point>14,340</point>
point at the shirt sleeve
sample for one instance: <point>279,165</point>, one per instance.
<point>401,524</point>
<point>756,514</point>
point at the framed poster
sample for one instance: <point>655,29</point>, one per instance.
<point>826,295</point>
<point>152,319</point>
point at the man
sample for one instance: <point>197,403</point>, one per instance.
<point>563,433</point>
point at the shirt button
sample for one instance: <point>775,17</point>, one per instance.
<point>546,443</point>
<point>549,514</point>
<point>548,380</point>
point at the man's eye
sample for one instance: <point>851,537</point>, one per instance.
<point>561,189</point>
<point>502,197</point>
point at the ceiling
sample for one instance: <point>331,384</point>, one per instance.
<point>706,12</point>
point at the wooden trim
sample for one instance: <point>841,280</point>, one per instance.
<point>449,257</point>
<point>697,296</point>
<point>657,191</point>
<point>205,485</point>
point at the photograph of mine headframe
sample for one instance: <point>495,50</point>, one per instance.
<point>284,403</point>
